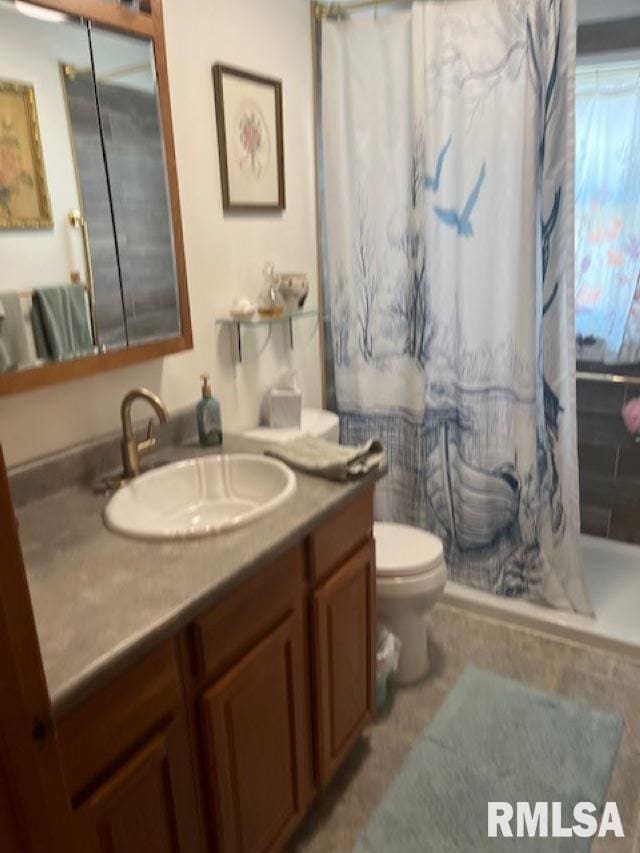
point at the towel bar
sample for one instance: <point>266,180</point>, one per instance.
<point>615,378</point>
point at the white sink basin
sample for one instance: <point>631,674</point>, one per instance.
<point>199,496</point>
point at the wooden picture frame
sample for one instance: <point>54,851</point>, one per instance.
<point>24,196</point>
<point>250,140</point>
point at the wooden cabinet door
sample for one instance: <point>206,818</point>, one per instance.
<point>256,740</point>
<point>344,658</point>
<point>35,807</point>
<point>147,804</point>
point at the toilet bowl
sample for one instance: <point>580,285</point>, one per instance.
<point>410,577</point>
<point>318,422</point>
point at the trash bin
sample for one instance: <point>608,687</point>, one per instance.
<point>387,656</point>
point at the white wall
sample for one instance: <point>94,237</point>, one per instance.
<point>33,258</point>
<point>224,254</point>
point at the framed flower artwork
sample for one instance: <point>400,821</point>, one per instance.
<point>250,144</point>
<point>24,198</point>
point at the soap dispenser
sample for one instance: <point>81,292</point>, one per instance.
<point>208,416</point>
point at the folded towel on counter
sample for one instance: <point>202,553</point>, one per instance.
<point>62,322</point>
<point>326,459</point>
<point>14,348</point>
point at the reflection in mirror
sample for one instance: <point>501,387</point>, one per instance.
<point>134,151</point>
<point>86,239</point>
<point>45,286</point>
<point>608,197</point>
<point>84,128</point>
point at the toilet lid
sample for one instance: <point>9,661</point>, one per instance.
<point>403,550</point>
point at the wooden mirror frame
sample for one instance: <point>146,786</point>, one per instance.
<point>146,23</point>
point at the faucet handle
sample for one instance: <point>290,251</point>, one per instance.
<point>150,441</point>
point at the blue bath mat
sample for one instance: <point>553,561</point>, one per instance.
<point>493,740</point>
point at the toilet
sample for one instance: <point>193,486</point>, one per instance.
<point>410,577</point>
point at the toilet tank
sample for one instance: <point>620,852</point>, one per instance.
<point>318,422</point>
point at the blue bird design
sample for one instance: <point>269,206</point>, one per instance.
<point>461,221</point>
<point>434,183</point>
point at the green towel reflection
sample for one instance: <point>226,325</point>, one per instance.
<point>14,351</point>
<point>61,322</point>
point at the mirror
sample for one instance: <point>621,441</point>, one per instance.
<point>607,211</point>
<point>87,250</point>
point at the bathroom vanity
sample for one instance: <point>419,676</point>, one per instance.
<point>203,692</point>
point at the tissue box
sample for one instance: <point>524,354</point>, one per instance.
<point>284,408</point>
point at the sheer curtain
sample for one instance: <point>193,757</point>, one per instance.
<point>608,213</point>
<point>446,138</point>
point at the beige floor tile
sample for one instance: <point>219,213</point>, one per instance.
<point>458,638</point>
<point>607,694</point>
<point>624,790</point>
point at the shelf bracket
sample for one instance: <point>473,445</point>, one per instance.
<point>238,342</point>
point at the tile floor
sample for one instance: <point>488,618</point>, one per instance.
<point>599,678</point>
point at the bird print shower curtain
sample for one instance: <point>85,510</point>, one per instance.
<point>446,156</point>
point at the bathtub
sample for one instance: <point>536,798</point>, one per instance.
<point>612,574</point>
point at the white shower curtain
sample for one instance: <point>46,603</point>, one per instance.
<point>446,146</point>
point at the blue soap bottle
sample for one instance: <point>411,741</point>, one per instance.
<point>208,416</point>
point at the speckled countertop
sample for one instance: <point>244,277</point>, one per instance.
<point>100,599</point>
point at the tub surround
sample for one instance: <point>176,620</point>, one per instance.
<point>101,600</point>
<point>609,463</point>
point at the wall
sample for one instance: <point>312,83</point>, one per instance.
<point>609,463</point>
<point>224,254</point>
<point>597,10</point>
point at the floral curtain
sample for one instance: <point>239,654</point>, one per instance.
<point>608,216</point>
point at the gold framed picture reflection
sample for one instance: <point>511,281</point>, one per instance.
<point>250,140</point>
<point>24,197</point>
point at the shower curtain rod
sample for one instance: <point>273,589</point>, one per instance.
<point>340,10</point>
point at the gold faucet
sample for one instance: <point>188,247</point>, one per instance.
<point>132,449</point>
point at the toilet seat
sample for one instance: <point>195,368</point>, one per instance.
<point>405,552</point>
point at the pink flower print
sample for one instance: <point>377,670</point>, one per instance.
<point>631,416</point>
<point>615,259</point>
<point>588,296</point>
<point>612,232</point>
<point>251,138</point>
<point>595,236</point>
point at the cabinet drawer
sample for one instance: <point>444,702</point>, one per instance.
<point>234,625</point>
<point>337,538</point>
<point>110,724</point>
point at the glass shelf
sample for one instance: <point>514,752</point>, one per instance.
<point>238,324</point>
